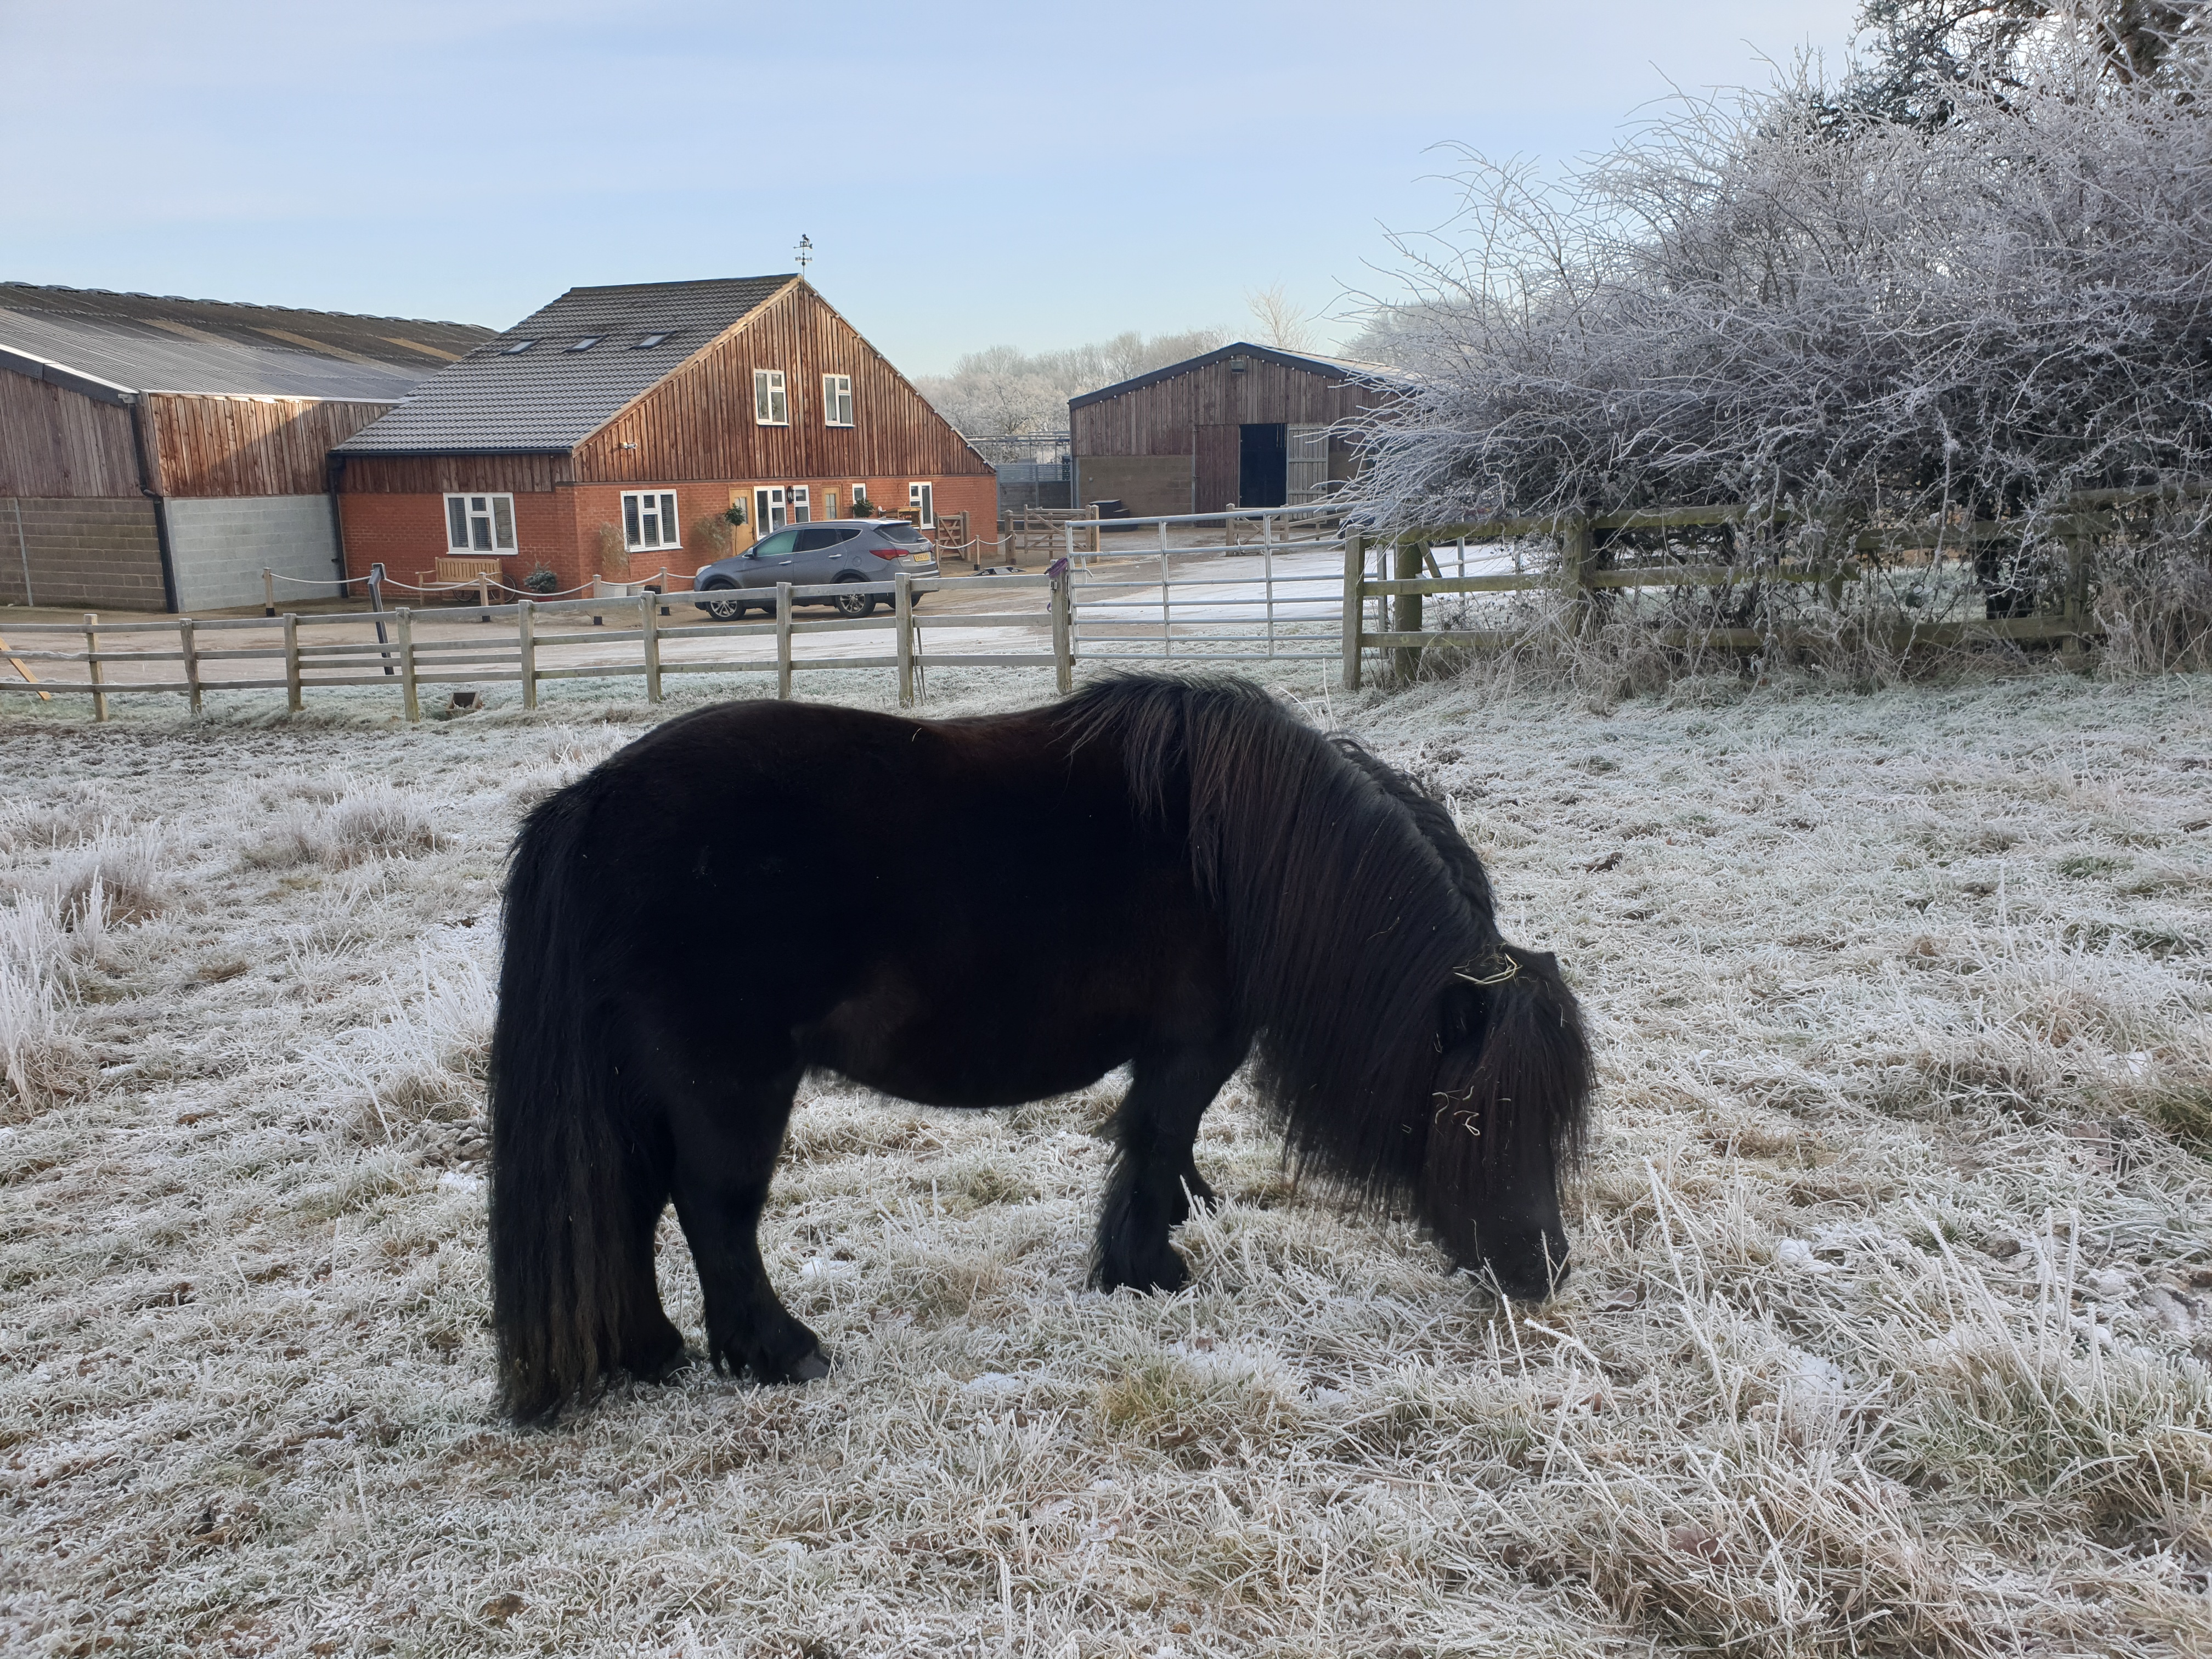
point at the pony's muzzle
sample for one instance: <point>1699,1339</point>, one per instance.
<point>1528,1266</point>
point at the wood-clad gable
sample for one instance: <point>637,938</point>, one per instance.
<point>699,422</point>
<point>1159,418</point>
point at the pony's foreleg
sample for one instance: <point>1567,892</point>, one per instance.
<point>1155,1178</point>
<point>725,1148</point>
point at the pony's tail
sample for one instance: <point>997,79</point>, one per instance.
<point>1531,1076</point>
<point>568,1180</point>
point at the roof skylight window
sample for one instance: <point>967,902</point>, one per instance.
<point>517,349</point>
<point>648,340</point>
<point>587,343</point>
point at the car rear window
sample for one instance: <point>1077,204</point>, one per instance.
<point>902,533</point>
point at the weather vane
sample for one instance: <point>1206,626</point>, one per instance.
<point>804,252</point>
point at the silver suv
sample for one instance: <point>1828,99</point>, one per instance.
<point>837,550</point>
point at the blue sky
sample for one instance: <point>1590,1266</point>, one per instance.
<point>970,174</point>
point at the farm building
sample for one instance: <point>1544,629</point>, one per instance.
<point>614,432</point>
<point>1245,426</point>
<point>157,453</point>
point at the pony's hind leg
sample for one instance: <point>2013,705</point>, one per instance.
<point>1155,1178</point>
<point>725,1142</point>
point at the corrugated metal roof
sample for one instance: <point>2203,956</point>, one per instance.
<point>1336,368</point>
<point>551,397</point>
<point>152,343</point>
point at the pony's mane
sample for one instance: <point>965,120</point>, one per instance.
<point>1346,911</point>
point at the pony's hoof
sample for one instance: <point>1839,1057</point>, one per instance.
<point>811,1366</point>
<point>667,1369</point>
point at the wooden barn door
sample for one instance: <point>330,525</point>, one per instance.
<point>1305,464</point>
<point>1214,469</point>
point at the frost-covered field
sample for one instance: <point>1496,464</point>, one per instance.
<point>1888,1334</point>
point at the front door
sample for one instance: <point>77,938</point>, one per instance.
<point>1263,476</point>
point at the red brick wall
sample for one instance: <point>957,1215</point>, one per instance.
<point>407,533</point>
<point>560,528</point>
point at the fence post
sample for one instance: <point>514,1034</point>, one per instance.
<point>903,611</point>
<point>268,592</point>
<point>1355,599</point>
<point>189,646</point>
<point>1412,557</point>
<point>525,635</point>
<point>648,613</point>
<point>1574,555</point>
<point>1267,578</point>
<point>93,665</point>
<point>783,639</point>
<point>403,620</point>
<point>1062,575</point>
<point>293,698</point>
<point>2081,543</point>
<point>484,593</point>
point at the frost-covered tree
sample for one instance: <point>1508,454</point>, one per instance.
<point>1809,300</point>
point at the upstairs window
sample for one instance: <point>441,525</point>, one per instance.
<point>587,343</point>
<point>648,340</point>
<point>517,349</point>
<point>836,400</point>
<point>480,524</point>
<point>649,519</point>
<point>770,407</point>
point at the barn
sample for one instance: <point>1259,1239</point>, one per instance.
<point>620,430</point>
<point>1244,426</point>
<point>157,453</point>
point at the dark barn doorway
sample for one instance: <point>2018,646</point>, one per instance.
<point>1262,470</point>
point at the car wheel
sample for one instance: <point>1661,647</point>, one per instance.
<point>855,604</point>
<point>725,609</point>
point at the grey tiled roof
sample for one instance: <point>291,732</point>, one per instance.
<point>552,397</point>
<point>151,342</point>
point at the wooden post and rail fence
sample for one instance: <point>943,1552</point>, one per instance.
<point>298,664</point>
<point>1416,575</point>
<point>1584,573</point>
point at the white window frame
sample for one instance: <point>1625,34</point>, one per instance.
<point>771,399</point>
<point>923,497</point>
<point>770,512</point>
<point>829,506</point>
<point>859,499</point>
<point>663,508</point>
<point>802,504</point>
<point>467,508</point>
<point>836,400</point>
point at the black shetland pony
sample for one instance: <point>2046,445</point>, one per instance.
<point>1173,874</point>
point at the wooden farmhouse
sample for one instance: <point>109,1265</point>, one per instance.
<point>158,453</point>
<point>1245,426</point>
<point>613,434</point>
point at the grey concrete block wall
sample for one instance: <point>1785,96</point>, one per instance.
<point>219,548</point>
<point>89,552</point>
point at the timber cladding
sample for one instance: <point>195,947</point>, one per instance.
<point>1156,415</point>
<point>698,422</point>
<point>56,443</point>
<point>242,445</point>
